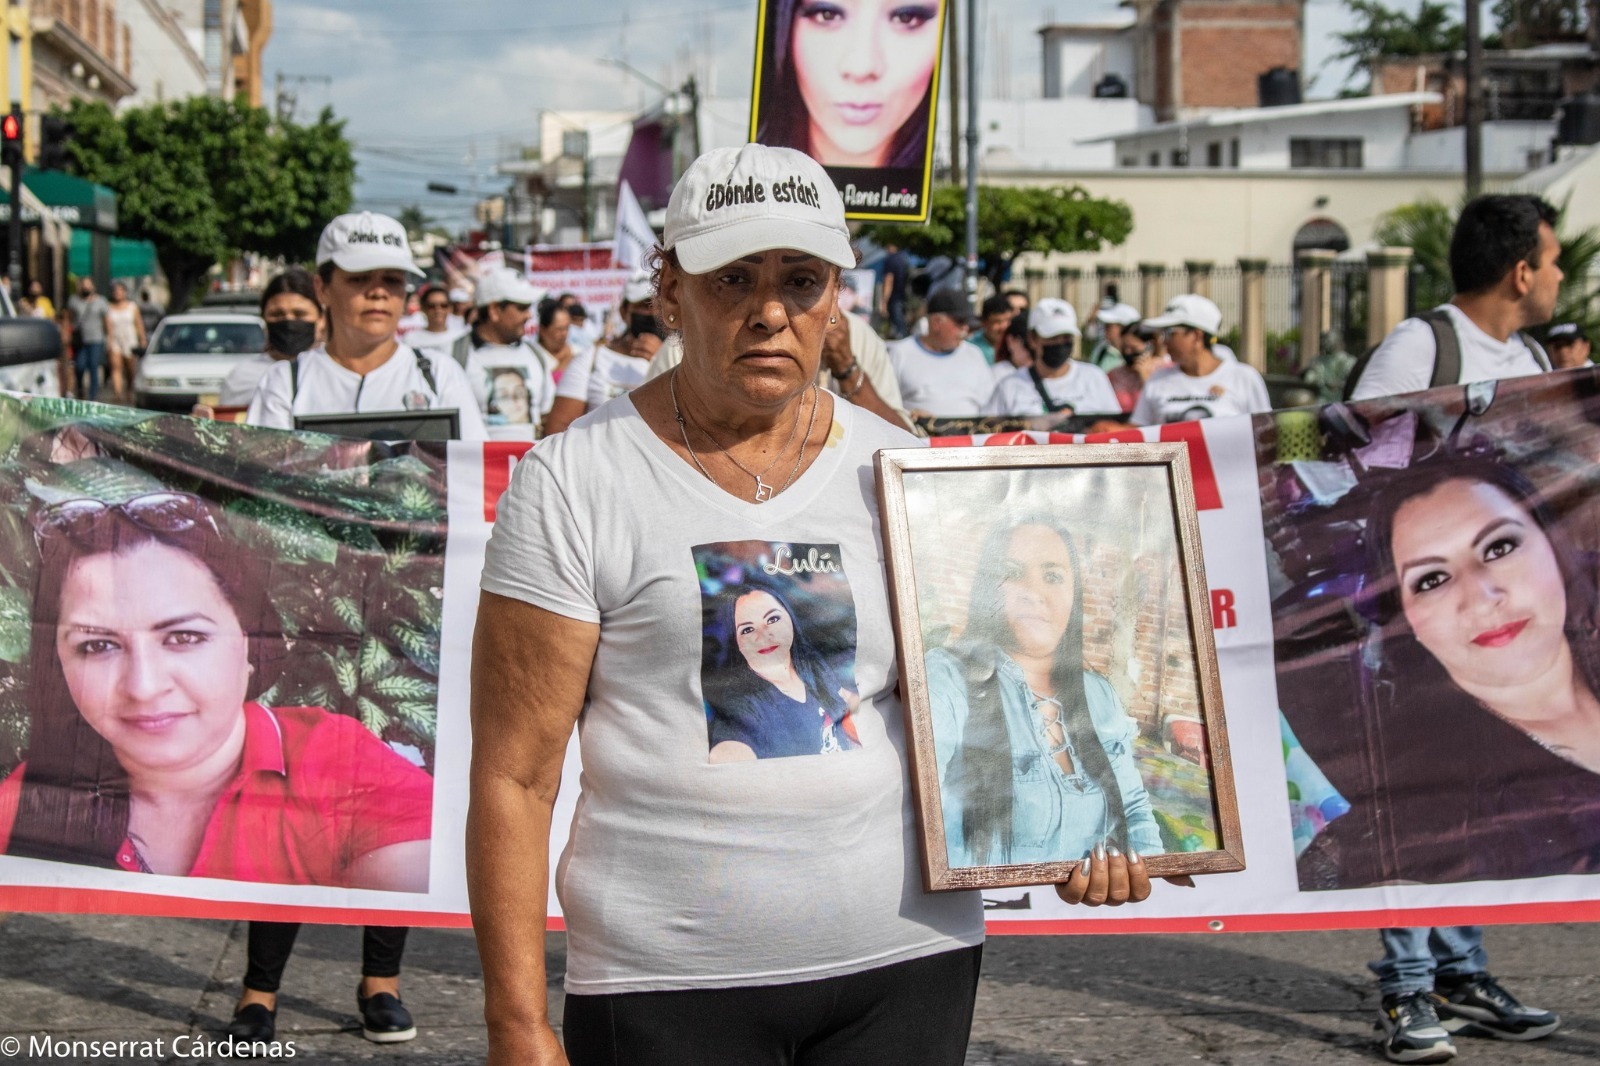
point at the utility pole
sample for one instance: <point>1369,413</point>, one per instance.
<point>972,154</point>
<point>1472,24</point>
<point>953,18</point>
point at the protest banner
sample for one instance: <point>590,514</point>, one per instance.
<point>1376,785</point>
<point>872,132</point>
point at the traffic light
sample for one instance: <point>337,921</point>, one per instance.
<point>11,138</point>
<point>54,133</point>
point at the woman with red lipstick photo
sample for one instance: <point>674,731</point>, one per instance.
<point>770,690</point>
<point>849,82</point>
<point>1487,723</point>
<point>146,752</point>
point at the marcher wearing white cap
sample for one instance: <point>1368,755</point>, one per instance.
<point>1199,384</point>
<point>511,379</point>
<point>436,330</point>
<point>460,307</point>
<point>699,568</point>
<point>1056,383</point>
<point>363,261</point>
<point>606,371</point>
<point>1113,319</point>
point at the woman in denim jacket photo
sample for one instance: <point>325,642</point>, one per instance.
<point>1035,751</point>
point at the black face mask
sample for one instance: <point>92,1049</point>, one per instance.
<point>291,336</point>
<point>1056,355</point>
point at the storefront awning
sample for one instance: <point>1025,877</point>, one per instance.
<point>70,199</point>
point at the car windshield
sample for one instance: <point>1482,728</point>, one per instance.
<point>209,338</point>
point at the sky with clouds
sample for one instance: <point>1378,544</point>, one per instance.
<point>438,90</point>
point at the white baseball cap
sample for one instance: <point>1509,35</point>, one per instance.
<point>641,288</point>
<point>1118,314</point>
<point>460,296</point>
<point>1051,317</point>
<point>505,287</point>
<point>734,202</point>
<point>1190,310</point>
<point>366,241</point>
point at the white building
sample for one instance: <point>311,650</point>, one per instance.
<point>165,54</point>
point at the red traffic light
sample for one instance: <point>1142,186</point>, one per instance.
<point>11,128</point>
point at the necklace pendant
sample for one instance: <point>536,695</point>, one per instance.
<point>763,490</point>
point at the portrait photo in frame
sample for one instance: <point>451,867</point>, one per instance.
<point>1056,661</point>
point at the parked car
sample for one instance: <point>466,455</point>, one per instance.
<point>30,351</point>
<point>191,354</point>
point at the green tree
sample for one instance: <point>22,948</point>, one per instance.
<point>205,179</point>
<point>1427,225</point>
<point>415,220</point>
<point>1381,31</point>
<point>1526,23</point>
<point>1011,221</point>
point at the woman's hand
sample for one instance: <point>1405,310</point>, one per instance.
<point>1108,878</point>
<point>852,699</point>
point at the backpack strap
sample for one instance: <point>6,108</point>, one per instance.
<point>1050,405</point>
<point>294,381</point>
<point>461,350</point>
<point>1446,348</point>
<point>1540,356</point>
<point>425,368</point>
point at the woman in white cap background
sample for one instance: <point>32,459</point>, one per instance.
<point>1056,383</point>
<point>512,380</point>
<point>608,370</point>
<point>1107,353</point>
<point>708,922</point>
<point>1200,383</point>
<point>363,261</point>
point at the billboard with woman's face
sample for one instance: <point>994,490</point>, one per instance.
<point>853,84</point>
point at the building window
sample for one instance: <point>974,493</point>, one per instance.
<point>1214,154</point>
<point>1330,153</point>
<point>1233,153</point>
<point>1130,160</point>
<point>1180,157</point>
<point>1155,159</point>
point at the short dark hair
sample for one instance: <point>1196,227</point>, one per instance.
<point>1493,235</point>
<point>996,305</point>
<point>296,280</point>
<point>547,311</point>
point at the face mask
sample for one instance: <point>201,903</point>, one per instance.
<point>291,336</point>
<point>1055,356</point>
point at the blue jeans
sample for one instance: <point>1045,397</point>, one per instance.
<point>1412,958</point>
<point>89,361</point>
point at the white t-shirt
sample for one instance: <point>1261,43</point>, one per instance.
<point>597,375</point>
<point>951,384</point>
<point>326,388</point>
<point>514,387</point>
<point>1085,388</point>
<point>1234,388</point>
<point>426,338</point>
<point>239,387</point>
<point>681,873</point>
<point>1404,361</point>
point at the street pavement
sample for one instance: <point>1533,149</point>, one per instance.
<point>1044,1001</point>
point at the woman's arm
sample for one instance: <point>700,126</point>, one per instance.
<point>563,413</point>
<point>393,868</point>
<point>523,710</point>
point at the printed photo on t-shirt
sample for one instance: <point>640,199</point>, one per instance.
<point>778,650</point>
<point>510,399</point>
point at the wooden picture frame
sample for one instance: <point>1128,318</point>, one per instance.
<point>980,544</point>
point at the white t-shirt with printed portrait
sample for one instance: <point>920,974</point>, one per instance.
<point>1233,388</point>
<point>514,388</point>
<point>681,872</point>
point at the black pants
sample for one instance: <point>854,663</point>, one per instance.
<point>270,944</point>
<point>912,1012</point>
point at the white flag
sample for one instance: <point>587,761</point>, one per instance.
<point>634,239</point>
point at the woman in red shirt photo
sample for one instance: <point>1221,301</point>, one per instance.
<point>145,750</point>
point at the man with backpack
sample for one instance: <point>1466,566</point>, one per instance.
<point>513,381</point>
<point>1503,267</point>
<point>1435,981</point>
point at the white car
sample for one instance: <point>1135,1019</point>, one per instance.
<point>30,352</point>
<point>190,356</point>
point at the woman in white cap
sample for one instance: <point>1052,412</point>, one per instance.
<point>1055,383</point>
<point>1200,383</point>
<point>363,261</point>
<point>608,370</point>
<point>718,912</point>
<point>1107,353</point>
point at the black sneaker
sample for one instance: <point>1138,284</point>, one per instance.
<point>1412,1032</point>
<point>1477,1006</point>
<point>384,1020</point>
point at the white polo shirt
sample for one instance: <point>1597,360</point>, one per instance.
<point>327,388</point>
<point>952,384</point>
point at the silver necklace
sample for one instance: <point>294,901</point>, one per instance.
<point>764,492</point>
